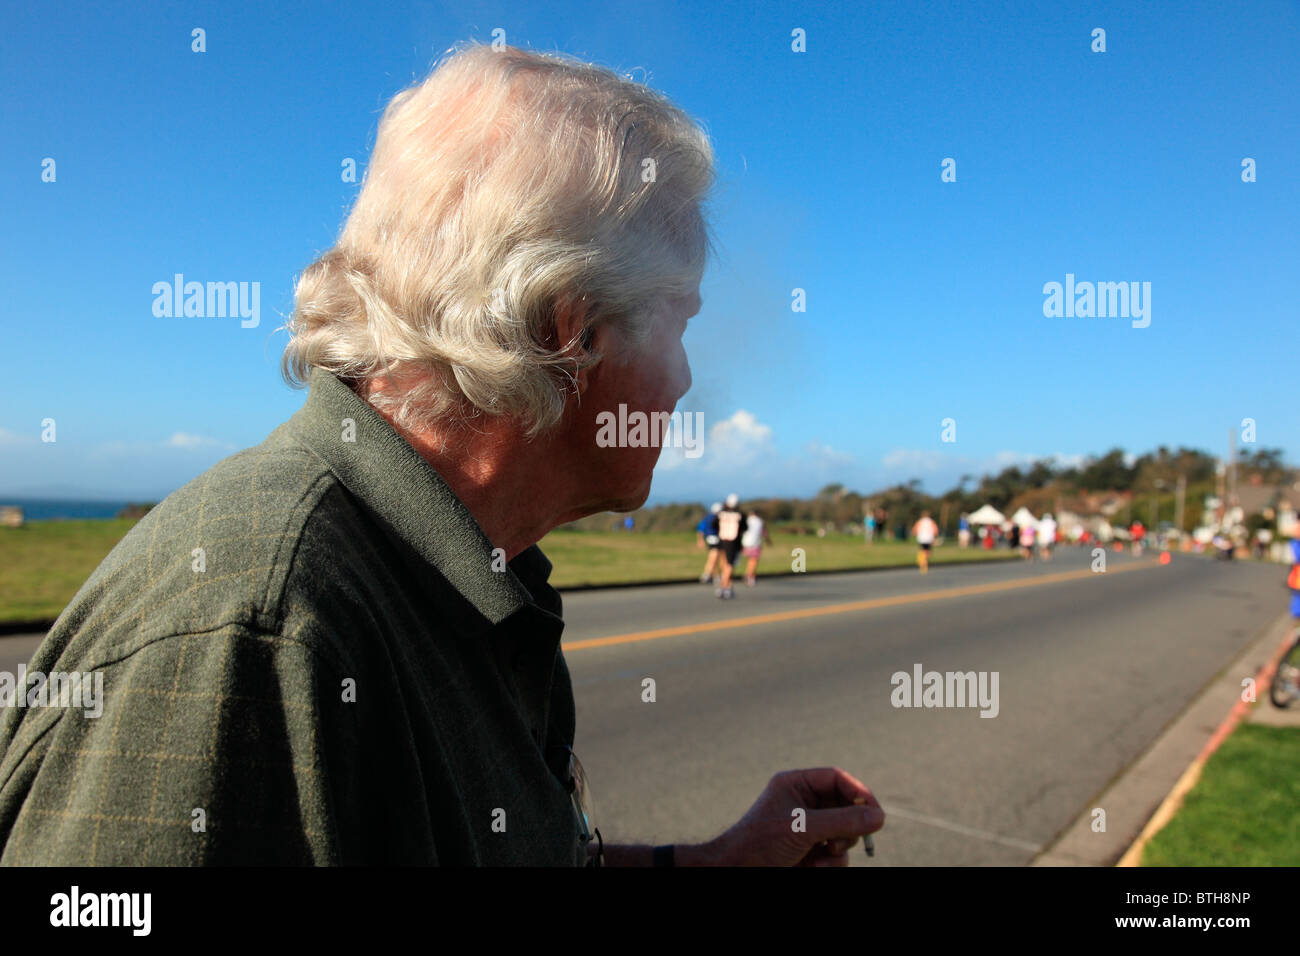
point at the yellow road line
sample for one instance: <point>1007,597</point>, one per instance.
<point>846,608</point>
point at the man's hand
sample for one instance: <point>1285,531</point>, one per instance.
<point>838,810</point>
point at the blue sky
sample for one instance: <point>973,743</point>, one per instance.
<point>924,298</point>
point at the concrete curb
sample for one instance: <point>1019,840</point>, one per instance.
<point>1141,798</point>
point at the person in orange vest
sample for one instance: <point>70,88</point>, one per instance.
<point>1138,531</point>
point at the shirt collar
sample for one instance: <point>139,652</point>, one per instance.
<point>379,467</point>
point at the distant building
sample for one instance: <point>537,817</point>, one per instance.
<point>1265,499</point>
<point>11,516</point>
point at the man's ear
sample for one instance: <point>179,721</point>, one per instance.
<point>570,317</point>
<point>571,333</point>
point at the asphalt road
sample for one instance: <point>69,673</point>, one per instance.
<point>1091,668</point>
<point>17,649</point>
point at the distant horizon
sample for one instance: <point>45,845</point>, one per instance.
<point>67,494</point>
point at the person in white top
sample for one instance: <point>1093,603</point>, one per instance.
<point>1027,534</point>
<point>1046,536</point>
<point>751,544</point>
<point>925,531</point>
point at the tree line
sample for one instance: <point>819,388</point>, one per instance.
<point>1146,487</point>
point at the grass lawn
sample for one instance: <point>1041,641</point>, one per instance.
<point>617,557</point>
<point>1243,810</point>
<point>43,563</point>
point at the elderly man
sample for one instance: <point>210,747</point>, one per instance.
<point>340,646</point>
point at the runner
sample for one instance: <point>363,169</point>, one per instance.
<point>1293,578</point>
<point>1138,532</point>
<point>1046,536</point>
<point>751,543</point>
<point>708,536</point>
<point>963,532</point>
<point>869,527</point>
<point>1027,535</point>
<point>731,526</point>
<point>925,531</point>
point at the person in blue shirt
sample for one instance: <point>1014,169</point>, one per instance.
<point>707,536</point>
<point>1293,579</point>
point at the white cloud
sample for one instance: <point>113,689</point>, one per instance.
<point>942,469</point>
<point>180,441</point>
<point>186,440</point>
<point>741,434</point>
<point>741,455</point>
<point>14,438</point>
<point>916,459</point>
<point>741,440</point>
<point>827,457</point>
<point>1069,461</point>
<point>1005,459</point>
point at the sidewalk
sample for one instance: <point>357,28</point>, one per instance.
<point>1265,713</point>
<point>1134,798</point>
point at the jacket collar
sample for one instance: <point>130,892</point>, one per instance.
<point>380,468</point>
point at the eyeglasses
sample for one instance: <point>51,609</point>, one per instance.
<point>580,794</point>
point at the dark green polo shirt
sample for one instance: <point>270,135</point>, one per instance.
<point>307,658</point>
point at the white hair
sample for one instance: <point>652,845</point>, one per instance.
<point>503,187</point>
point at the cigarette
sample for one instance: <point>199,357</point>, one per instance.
<point>868,843</point>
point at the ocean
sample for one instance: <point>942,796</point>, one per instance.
<point>54,509</point>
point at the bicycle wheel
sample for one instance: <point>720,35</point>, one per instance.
<point>1286,682</point>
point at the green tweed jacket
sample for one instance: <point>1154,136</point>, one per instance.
<point>309,655</point>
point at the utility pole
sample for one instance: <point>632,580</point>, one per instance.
<point>1221,484</point>
<point>1182,494</point>
<point>1232,467</point>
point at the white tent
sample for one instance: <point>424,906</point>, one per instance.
<point>987,514</point>
<point>1024,518</point>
